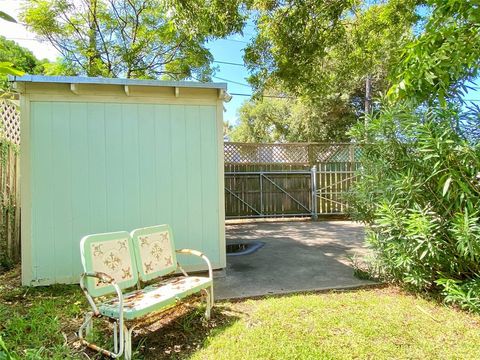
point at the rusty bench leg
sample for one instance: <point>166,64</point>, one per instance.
<point>128,342</point>
<point>209,302</point>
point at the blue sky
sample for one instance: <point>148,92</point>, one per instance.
<point>231,50</point>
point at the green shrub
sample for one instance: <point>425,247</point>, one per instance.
<point>419,194</point>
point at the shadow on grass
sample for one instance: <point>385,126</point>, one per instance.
<point>176,333</point>
<point>183,332</point>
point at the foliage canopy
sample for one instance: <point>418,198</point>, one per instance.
<point>320,53</point>
<point>271,120</point>
<point>23,58</point>
<point>445,57</point>
<point>326,49</point>
<point>134,38</point>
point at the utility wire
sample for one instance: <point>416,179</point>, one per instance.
<point>228,63</point>
<point>267,96</point>
<point>215,61</point>
<point>19,38</point>
<point>236,41</point>
<point>231,81</point>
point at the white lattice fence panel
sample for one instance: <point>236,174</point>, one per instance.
<point>10,117</point>
<point>331,153</point>
<point>242,153</point>
<point>307,154</point>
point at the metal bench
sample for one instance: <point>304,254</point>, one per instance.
<point>115,262</point>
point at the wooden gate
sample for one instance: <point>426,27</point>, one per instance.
<point>268,193</point>
<point>288,180</point>
<point>334,180</point>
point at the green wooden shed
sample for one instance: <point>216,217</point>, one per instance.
<point>101,155</point>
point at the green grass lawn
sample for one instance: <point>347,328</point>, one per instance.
<point>367,324</point>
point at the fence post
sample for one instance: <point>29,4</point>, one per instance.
<point>261,192</point>
<point>313,172</point>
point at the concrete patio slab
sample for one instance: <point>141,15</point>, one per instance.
<point>297,256</point>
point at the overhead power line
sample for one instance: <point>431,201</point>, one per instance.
<point>21,38</point>
<point>215,61</point>
<point>236,41</point>
<point>228,63</point>
<point>267,96</point>
<point>231,81</point>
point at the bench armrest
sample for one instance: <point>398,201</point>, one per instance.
<point>199,254</point>
<point>106,279</point>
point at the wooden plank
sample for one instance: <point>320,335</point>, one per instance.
<point>7,201</point>
<point>61,185</point>
<point>16,230</point>
<point>179,173</point>
<point>163,163</point>
<point>27,253</point>
<point>43,245</point>
<point>195,198</point>
<point>130,155</point>
<point>97,167</point>
<point>146,164</point>
<point>115,167</point>
<point>80,197</point>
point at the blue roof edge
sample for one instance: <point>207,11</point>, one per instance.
<point>115,81</point>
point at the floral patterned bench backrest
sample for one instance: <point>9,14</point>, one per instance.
<point>112,254</point>
<point>154,251</point>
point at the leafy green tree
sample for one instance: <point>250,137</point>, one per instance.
<point>7,67</point>
<point>134,38</point>
<point>323,54</point>
<point>326,50</point>
<point>23,58</point>
<point>291,120</point>
<point>262,121</point>
<point>419,186</point>
<point>17,60</point>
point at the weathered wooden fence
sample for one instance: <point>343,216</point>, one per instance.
<point>271,180</point>
<point>9,184</point>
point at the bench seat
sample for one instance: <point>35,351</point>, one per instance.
<point>116,262</point>
<point>155,297</point>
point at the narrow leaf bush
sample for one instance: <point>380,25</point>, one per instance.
<point>419,194</point>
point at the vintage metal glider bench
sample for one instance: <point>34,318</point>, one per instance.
<point>114,262</point>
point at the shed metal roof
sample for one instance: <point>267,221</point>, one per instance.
<point>116,81</point>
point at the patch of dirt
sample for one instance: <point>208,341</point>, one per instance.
<point>182,331</point>
<point>10,279</point>
<point>174,333</point>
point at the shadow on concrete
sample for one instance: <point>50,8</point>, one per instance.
<point>305,256</point>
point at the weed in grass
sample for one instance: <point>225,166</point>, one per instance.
<point>5,354</point>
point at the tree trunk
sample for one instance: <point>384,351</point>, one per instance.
<point>92,40</point>
<point>368,95</point>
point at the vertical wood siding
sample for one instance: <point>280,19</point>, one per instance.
<point>99,167</point>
